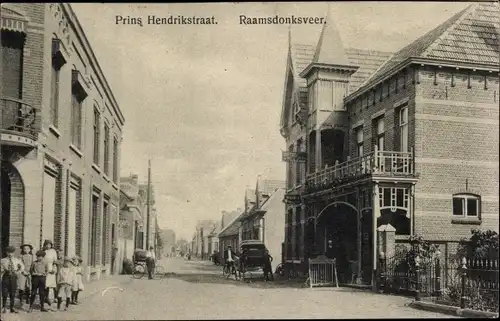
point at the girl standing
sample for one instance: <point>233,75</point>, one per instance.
<point>78,280</point>
<point>24,278</point>
<point>50,259</point>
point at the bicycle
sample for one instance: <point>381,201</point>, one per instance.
<point>140,269</point>
<point>229,269</point>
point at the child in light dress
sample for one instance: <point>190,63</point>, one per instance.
<point>51,282</point>
<point>24,278</point>
<point>65,279</point>
<point>78,280</point>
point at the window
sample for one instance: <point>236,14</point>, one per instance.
<point>466,205</point>
<point>54,93</point>
<point>310,98</point>
<point>106,149</point>
<point>380,133</point>
<point>403,129</point>
<point>93,229</point>
<point>76,119</point>
<point>290,169</point>
<point>359,140</point>
<point>97,129</point>
<point>12,64</point>
<point>115,159</point>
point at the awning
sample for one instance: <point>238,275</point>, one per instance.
<point>12,20</point>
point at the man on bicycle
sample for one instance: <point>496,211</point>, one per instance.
<point>229,257</point>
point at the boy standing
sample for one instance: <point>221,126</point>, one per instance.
<point>268,270</point>
<point>65,278</point>
<point>10,267</point>
<point>38,270</point>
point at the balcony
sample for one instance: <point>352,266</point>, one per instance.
<point>17,123</point>
<point>380,164</point>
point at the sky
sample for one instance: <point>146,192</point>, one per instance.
<point>203,102</point>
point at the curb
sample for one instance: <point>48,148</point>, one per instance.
<point>451,310</point>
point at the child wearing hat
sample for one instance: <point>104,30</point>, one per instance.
<point>24,278</point>
<point>10,268</point>
<point>39,270</point>
<point>77,281</point>
<point>65,279</point>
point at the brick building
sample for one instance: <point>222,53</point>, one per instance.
<point>409,140</point>
<point>61,133</point>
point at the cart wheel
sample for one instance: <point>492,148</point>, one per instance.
<point>139,271</point>
<point>159,272</point>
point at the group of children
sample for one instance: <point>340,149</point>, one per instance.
<point>53,278</point>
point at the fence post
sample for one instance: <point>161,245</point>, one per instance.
<point>438,277</point>
<point>383,276</point>
<point>464,275</point>
<point>417,285</point>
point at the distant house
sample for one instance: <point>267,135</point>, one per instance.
<point>264,221</point>
<point>213,238</point>
<point>231,234</point>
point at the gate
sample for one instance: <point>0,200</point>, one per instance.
<point>323,272</point>
<point>397,274</point>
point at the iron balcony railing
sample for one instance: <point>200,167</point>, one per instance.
<point>18,117</point>
<point>381,163</point>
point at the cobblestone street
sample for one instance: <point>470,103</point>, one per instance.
<point>197,290</point>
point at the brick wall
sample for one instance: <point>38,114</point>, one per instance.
<point>382,99</point>
<point>59,214</point>
<point>453,129</point>
<point>456,144</point>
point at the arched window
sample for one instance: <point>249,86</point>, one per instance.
<point>466,205</point>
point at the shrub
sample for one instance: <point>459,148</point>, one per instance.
<point>425,250</point>
<point>128,266</point>
<point>480,245</point>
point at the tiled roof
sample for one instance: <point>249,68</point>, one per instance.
<point>473,39</point>
<point>278,192</point>
<point>232,228</point>
<point>330,48</point>
<point>367,60</point>
<point>472,35</point>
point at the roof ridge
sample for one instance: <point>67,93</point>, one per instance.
<point>463,14</point>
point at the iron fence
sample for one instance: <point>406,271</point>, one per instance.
<point>17,116</point>
<point>466,283</point>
